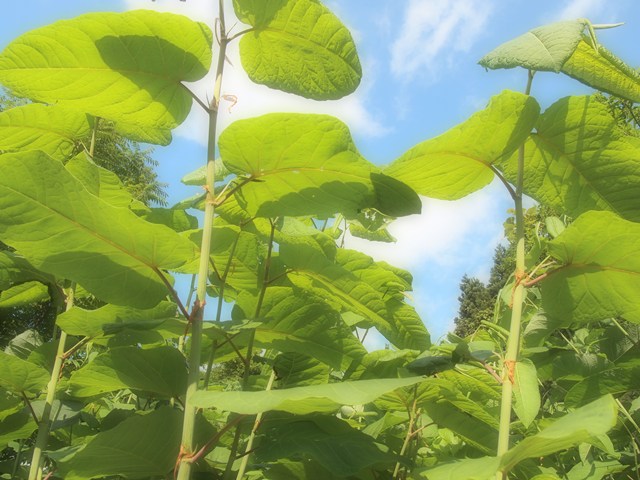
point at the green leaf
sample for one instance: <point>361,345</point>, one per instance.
<point>600,273</point>
<point>302,400</point>
<point>111,319</point>
<point>99,181</point>
<point>302,164</point>
<point>298,370</point>
<point>299,47</point>
<point>160,370</point>
<point>581,425</point>
<point>483,468</point>
<point>595,470</point>
<point>545,48</point>
<point>23,294</point>
<point>617,380</point>
<point>297,321</point>
<point>174,218</point>
<point>198,177</point>
<point>22,345</point>
<point>54,130</point>
<point>126,67</point>
<point>526,391</point>
<point>597,67</point>
<point>358,284</point>
<point>9,404</point>
<point>140,446</point>
<point>578,160</point>
<point>459,162</point>
<point>17,375</point>
<point>343,450</point>
<point>62,229</point>
<point>18,426</point>
<point>14,270</point>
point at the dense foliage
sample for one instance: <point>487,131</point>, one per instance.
<point>153,385</point>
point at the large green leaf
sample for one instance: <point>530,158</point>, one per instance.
<point>111,319</point>
<point>581,425</point>
<point>160,370</point>
<point>343,450</point>
<point>483,468</point>
<point>358,284</point>
<point>526,391</point>
<point>99,181</point>
<point>299,47</point>
<point>53,129</point>
<point>138,447</point>
<point>459,162</point>
<point>617,380</point>
<point>563,47</point>
<point>545,48</point>
<point>126,67</point>
<point>293,320</point>
<point>18,426</point>
<point>23,294</point>
<point>62,229</point>
<point>600,69</point>
<point>600,273</point>
<point>14,270</point>
<point>578,160</point>
<point>302,400</point>
<point>17,375</point>
<point>303,164</point>
<point>298,370</point>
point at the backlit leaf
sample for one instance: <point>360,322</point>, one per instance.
<point>126,67</point>
<point>140,446</point>
<point>62,229</point>
<point>459,161</point>
<point>302,400</point>
<point>303,164</point>
<point>110,319</point>
<point>299,47</point>
<point>600,273</point>
<point>526,391</point>
<point>53,129</point>
<point>578,160</point>
<point>483,468</point>
<point>17,375</point>
<point>23,294</point>
<point>160,370</point>
<point>600,69</point>
<point>581,425</point>
<point>18,426</point>
<point>544,48</point>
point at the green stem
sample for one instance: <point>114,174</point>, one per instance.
<point>188,426</point>
<point>44,425</point>
<point>252,436</point>
<point>16,462</point>
<point>410,431</point>
<point>513,342</point>
<point>247,362</point>
<point>223,283</point>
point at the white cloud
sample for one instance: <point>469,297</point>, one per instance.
<point>581,9</point>
<point>431,27</point>
<point>252,99</point>
<point>446,234</point>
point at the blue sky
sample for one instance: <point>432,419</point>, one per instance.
<point>420,78</point>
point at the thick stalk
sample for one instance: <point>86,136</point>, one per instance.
<point>513,342</point>
<point>44,425</point>
<point>188,426</point>
<point>252,436</point>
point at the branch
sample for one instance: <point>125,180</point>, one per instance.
<point>197,99</point>
<point>172,292</point>
<point>498,174</point>
<point>33,413</point>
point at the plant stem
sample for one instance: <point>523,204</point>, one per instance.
<point>247,363</point>
<point>407,438</point>
<point>223,283</point>
<point>16,462</point>
<point>513,342</point>
<point>252,436</point>
<point>44,425</point>
<point>188,426</point>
